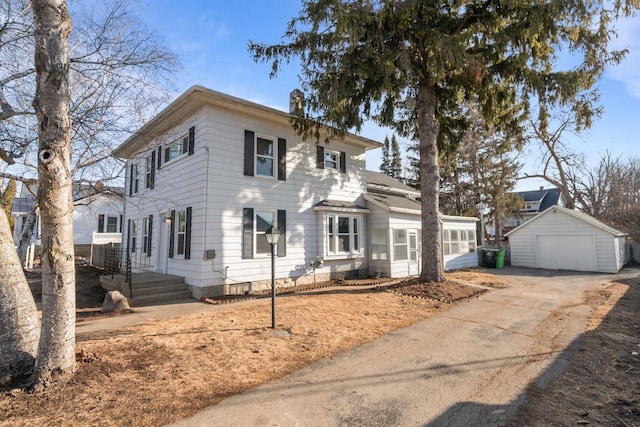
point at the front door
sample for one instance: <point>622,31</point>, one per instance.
<point>163,245</point>
<point>414,258</point>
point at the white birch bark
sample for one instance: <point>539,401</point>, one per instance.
<point>56,354</point>
<point>19,325</point>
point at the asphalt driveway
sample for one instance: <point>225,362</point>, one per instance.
<point>467,366</point>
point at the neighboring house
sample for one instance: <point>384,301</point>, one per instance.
<point>565,239</point>
<point>534,203</point>
<point>20,208</point>
<point>394,226</point>
<point>97,211</point>
<point>207,177</point>
<point>97,216</point>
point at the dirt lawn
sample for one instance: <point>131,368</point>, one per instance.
<point>166,370</point>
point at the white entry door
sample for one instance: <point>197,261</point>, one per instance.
<point>569,252</point>
<point>163,244</point>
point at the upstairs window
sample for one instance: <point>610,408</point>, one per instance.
<point>331,159</point>
<point>134,179</point>
<point>150,170</point>
<point>265,156</point>
<point>176,149</point>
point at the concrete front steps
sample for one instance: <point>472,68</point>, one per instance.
<point>149,288</point>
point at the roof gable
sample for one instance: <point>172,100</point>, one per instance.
<point>573,213</point>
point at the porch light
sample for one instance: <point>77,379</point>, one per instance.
<point>273,235</point>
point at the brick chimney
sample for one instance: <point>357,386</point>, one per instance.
<point>296,101</point>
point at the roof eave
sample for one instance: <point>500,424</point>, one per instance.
<point>196,96</point>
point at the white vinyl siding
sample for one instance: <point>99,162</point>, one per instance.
<point>213,182</point>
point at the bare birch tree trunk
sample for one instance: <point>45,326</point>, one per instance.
<point>19,325</point>
<point>432,269</point>
<point>56,353</point>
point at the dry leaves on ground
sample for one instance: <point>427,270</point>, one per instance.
<point>167,370</point>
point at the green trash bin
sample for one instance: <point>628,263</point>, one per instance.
<point>500,259</point>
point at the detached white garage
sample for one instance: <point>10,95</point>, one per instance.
<point>564,239</point>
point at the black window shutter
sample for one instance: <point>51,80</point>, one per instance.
<point>282,226</point>
<point>187,235</point>
<point>320,157</point>
<point>159,157</point>
<point>192,139</point>
<point>131,180</point>
<point>282,159</point>
<point>120,223</point>
<point>167,153</point>
<point>150,235</point>
<point>249,150</point>
<point>343,162</point>
<point>100,223</point>
<point>247,233</point>
<point>153,170</point>
<point>136,179</point>
<point>128,234</point>
<point>171,233</point>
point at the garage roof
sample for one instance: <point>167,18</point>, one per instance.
<point>576,214</point>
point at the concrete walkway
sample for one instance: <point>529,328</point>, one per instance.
<point>468,366</point>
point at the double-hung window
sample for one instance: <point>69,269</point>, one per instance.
<point>134,234</point>
<point>343,234</point>
<point>266,155</point>
<point>263,220</point>
<point>176,149</point>
<point>181,231</point>
<point>134,179</point>
<point>331,159</point>
<point>145,235</point>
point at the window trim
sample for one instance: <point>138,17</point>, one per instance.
<point>274,216</point>
<point>145,235</point>
<point>274,157</point>
<point>405,244</point>
<point>382,232</point>
<point>178,233</point>
<point>134,235</point>
<point>334,153</point>
<point>183,142</point>
<point>334,217</point>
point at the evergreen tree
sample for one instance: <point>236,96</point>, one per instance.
<point>386,163</point>
<point>395,169</point>
<point>409,64</point>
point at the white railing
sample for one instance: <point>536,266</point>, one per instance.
<point>105,238</point>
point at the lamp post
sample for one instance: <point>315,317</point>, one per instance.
<point>273,235</point>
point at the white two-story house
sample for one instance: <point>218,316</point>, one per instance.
<point>207,177</point>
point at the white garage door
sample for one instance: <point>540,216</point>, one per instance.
<point>566,252</point>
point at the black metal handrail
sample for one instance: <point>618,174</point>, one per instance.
<point>113,262</point>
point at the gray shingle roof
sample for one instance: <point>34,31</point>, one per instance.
<point>381,180</point>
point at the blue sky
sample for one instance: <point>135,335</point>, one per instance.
<point>211,38</point>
